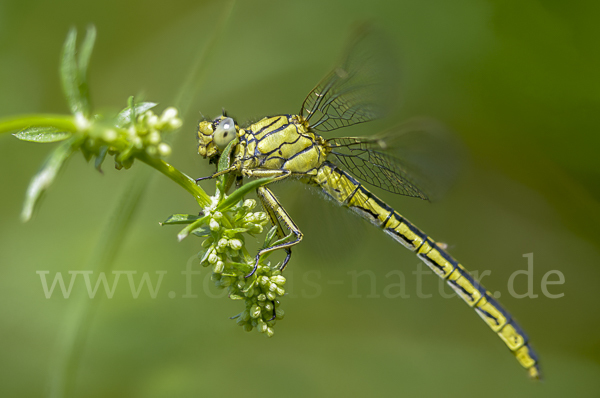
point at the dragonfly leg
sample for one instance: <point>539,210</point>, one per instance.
<point>280,232</point>
<point>277,175</point>
<point>274,314</point>
<point>277,212</point>
<point>218,173</point>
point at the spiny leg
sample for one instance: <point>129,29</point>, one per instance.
<point>279,229</point>
<point>271,203</point>
<point>218,173</point>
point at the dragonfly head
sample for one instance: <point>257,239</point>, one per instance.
<point>215,135</point>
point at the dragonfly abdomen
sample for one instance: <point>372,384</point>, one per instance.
<point>347,191</point>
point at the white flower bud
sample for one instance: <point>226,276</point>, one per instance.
<point>175,123</point>
<point>164,149</point>
<point>249,204</point>
<point>152,120</point>
<point>218,267</point>
<point>214,225</point>
<point>278,279</point>
<point>154,138</point>
<point>235,244</point>
<point>168,114</point>
<point>255,311</point>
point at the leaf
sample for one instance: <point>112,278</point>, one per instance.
<point>124,117</point>
<point>184,233</point>
<point>85,53</point>
<point>202,232</point>
<point>44,178</point>
<point>74,88</point>
<point>42,134</point>
<point>224,162</point>
<point>204,253</point>
<point>100,158</point>
<point>180,219</point>
<point>239,193</point>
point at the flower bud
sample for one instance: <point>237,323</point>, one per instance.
<point>154,138</point>
<point>168,114</point>
<point>164,149</point>
<point>235,244</point>
<point>255,311</point>
<point>214,225</point>
<point>218,267</point>
<point>249,204</point>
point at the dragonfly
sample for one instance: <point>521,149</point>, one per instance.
<point>291,146</point>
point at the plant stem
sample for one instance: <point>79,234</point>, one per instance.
<point>62,122</point>
<point>185,181</point>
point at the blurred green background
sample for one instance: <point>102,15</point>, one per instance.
<point>518,83</point>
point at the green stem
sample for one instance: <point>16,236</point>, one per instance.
<point>185,181</point>
<point>62,122</point>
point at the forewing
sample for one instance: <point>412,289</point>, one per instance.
<point>363,87</point>
<point>417,158</point>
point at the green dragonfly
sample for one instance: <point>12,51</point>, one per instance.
<point>290,147</point>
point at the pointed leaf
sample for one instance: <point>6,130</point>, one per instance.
<point>44,178</point>
<point>184,233</point>
<point>83,61</point>
<point>180,219</point>
<point>224,162</point>
<point>100,158</point>
<point>42,134</point>
<point>202,232</point>
<point>204,253</point>
<point>70,76</point>
<point>85,53</point>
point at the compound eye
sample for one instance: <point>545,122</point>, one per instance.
<point>224,133</point>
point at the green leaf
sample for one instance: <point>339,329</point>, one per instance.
<point>44,178</point>
<point>202,232</point>
<point>85,53</point>
<point>204,253</point>
<point>100,158</point>
<point>73,71</point>
<point>180,219</point>
<point>124,117</point>
<point>42,134</point>
<point>184,233</point>
<point>224,162</point>
<point>239,193</point>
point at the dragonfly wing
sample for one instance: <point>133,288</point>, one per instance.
<point>417,158</point>
<point>361,88</point>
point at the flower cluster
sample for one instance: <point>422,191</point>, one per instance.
<point>144,135</point>
<point>224,250</point>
